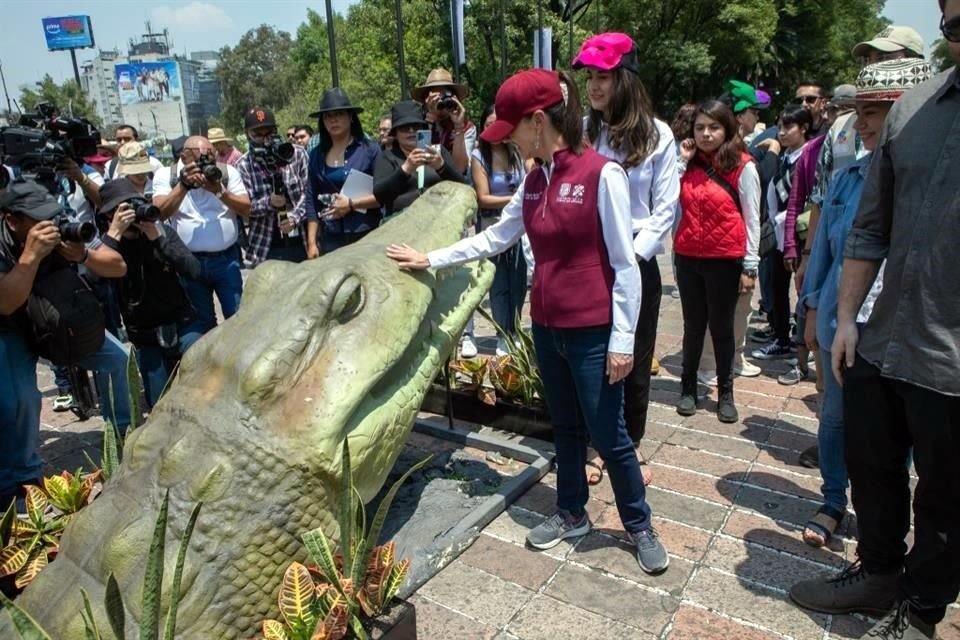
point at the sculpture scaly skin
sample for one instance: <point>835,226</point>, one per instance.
<point>344,346</point>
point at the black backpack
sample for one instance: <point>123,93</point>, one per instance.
<point>65,316</point>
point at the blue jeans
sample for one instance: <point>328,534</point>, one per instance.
<point>765,274</point>
<point>509,287</point>
<point>583,405</point>
<point>220,275</point>
<point>19,413</point>
<point>155,364</point>
<point>109,366</point>
<point>833,469</point>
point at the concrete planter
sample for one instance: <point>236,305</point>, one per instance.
<point>524,420</point>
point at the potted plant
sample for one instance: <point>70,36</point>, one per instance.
<point>350,592</point>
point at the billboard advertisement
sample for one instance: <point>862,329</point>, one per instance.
<point>148,82</point>
<point>68,32</point>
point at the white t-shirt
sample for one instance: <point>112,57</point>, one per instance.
<point>203,222</point>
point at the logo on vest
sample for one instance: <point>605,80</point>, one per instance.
<point>532,195</point>
<point>571,193</point>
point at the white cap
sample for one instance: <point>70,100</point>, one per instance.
<point>893,38</point>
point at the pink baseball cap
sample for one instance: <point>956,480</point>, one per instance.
<point>608,51</point>
<point>522,94</point>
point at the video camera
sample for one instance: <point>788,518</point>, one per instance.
<point>273,153</point>
<point>41,141</point>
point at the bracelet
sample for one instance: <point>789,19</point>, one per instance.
<point>84,180</point>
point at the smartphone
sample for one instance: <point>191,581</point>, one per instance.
<point>424,138</point>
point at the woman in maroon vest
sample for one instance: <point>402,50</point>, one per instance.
<point>715,248</point>
<point>575,209</point>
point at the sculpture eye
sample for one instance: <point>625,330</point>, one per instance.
<point>348,301</point>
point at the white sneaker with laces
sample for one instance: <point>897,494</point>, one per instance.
<point>468,348</point>
<point>746,369</point>
<point>707,377</point>
<point>503,348</point>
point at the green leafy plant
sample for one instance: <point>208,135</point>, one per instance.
<point>32,542</point>
<point>517,375</point>
<point>70,492</point>
<point>29,629</point>
<point>112,453</point>
<point>475,369</point>
<point>355,577</point>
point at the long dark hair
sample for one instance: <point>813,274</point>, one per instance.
<point>567,116</point>
<point>728,155</point>
<point>800,116</point>
<point>356,130</point>
<point>631,129</point>
<point>486,149</point>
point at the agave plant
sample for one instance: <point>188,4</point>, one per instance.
<point>28,628</point>
<point>355,577</point>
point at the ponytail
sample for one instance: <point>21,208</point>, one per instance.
<point>567,116</point>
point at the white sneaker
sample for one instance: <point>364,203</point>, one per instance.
<point>707,377</point>
<point>503,349</point>
<point>468,348</point>
<point>746,369</point>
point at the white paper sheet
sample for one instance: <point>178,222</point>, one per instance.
<point>357,185</point>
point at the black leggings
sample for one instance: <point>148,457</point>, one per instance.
<point>636,388</point>
<point>708,295</point>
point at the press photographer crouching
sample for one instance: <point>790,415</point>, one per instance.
<point>46,310</point>
<point>153,304</point>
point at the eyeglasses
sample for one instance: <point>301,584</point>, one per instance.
<point>950,30</point>
<point>809,99</point>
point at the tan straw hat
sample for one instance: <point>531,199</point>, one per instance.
<point>216,134</point>
<point>439,78</point>
<point>132,159</point>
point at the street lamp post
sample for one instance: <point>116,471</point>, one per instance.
<point>332,40</point>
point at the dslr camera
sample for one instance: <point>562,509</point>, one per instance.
<point>144,210</point>
<point>41,141</point>
<point>274,153</point>
<point>74,231</point>
<point>447,101</point>
<point>208,166</point>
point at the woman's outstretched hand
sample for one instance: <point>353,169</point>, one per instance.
<point>408,258</point>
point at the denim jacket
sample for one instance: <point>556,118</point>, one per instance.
<point>821,284</point>
<point>360,155</point>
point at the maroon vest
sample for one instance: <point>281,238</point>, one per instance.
<point>572,279</point>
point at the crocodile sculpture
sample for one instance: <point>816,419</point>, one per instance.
<point>344,346</point>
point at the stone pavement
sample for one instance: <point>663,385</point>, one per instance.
<point>728,500</point>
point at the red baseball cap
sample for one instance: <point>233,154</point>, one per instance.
<point>522,94</point>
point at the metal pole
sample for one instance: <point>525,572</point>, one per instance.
<point>332,41</point>
<point>540,30</point>
<point>597,29</point>
<point>76,69</point>
<point>404,85</point>
<point>570,53</point>
<point>503,42</point>
<point>456,40</point>
<point>7,95</point>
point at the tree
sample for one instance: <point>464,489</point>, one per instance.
<point>69,98</point>
<point>256,72</point>
<point>940,56</point>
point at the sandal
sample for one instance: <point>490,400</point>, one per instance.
<point>645,471</point>
<point>819,529</point>
<point>595,471</point>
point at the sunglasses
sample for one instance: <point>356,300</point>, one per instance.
<point>950,30</point>
<point>809,99</point>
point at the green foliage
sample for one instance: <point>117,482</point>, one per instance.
<point>940,56</point>
<point>68,97</point>
<point>70,492</point>
<point>27,628</point>
<point>30,543</point>
<point>357,576</point>
<point>516,375</point>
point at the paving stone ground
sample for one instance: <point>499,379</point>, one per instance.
<point>728,501</point>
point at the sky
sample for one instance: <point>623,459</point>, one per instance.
<point>198,25</point>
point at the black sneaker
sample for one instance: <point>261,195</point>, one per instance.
<point>762,336</point>
<point>726,409</point>
<point>687,406</point>
<point>852,590</point>
<point>651,554</point>
<point>899,624</point>
<point>773,350</point>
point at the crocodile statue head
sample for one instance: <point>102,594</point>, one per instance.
<point>339,348</point>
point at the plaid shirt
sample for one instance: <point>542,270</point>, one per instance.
<point>263,216</point>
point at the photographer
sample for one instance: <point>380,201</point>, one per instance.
<point>153,304</point>
<point>202,200</point>
<point>443,99</point>
<point>275,175</point>
<point>125,134</point>
<point>46,310</point>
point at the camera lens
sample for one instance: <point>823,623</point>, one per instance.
<point>147,213</point>
<point>212,173</point>
<point>285,151</point>
<point>76,231</point>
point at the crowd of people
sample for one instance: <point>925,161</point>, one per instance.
<point>841,213</point>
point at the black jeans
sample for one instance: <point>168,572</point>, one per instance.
<point>637,383</point>
<point>708,295</point>
<point>883,419</point>
<point>780,307</point>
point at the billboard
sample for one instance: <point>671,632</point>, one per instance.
<point>148,82</point>
<point>68,32</point>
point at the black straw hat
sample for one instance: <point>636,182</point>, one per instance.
<point>406,113</point>
<point>334,100</point>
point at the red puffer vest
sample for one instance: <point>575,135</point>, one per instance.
<point>711,225</point>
